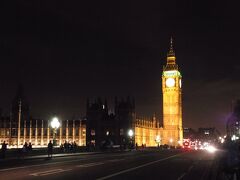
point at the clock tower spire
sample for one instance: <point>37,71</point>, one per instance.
<point>171,53</point>
<point>171,58</point>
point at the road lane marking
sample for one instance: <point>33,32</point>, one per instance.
<point>90,164</point>
<point>137,167</point>
<point>49,172</point>
<point>115,160</point>
<point>189,169</point>
<point>37,165</point>
<point>181,176</point>
<point>53,163</point>
<point>98,163</point>
<point>46,164</point>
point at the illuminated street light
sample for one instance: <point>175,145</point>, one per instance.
<point>55,124</point>
<point>171,141</point>
<point>233,137</point>
<point>130,133</point>
<point>211,149</point>
<point>158,139</point>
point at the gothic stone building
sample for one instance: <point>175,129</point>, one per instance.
<point>104,127</point>
<point>19,127</point>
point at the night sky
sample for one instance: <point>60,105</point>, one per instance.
<point>63,52</point>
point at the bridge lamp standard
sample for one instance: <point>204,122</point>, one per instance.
<point>55,124</point>
<point>158,140</point>
<point>171,141</point>
<point>130,134</point>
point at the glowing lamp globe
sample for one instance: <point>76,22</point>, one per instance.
<point>55,123</point>
<point>130,132</point>
<point>158,139</point>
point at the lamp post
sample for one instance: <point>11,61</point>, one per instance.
<point>171,141</point>
<point>55,125</point>
<point>158,140</point>
<point>130,134</point>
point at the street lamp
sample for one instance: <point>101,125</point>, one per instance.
<point>158,139</point>
<point>179,142</point>
<point>171,141</point>
<point>55,125</point>
<point>130,134</point>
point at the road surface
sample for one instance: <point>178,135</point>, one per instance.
<point>141,164</point>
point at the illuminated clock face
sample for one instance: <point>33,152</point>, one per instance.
<point>180,83</point>
<point>170,82</point>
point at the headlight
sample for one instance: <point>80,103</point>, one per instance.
<point>211,149</point>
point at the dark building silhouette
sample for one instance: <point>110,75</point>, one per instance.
<point>208,134</point>
<point>105,128</point>
<point>189,133</point>
<point>125,118</point>
<point>233,122</point>
<point>19,114</point>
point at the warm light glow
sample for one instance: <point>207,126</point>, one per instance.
<point>171,140</point>
<point>158,139</point>
<point>130,133</point>
<point>171,73</point>
<point>211,149</point>
<point>55,123</point>
<point>170,82</point>
<point>233,137</point>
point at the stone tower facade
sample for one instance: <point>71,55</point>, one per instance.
<point>172,101</point>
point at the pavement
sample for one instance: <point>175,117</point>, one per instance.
<point>140,164</point>
<point>30,157</point>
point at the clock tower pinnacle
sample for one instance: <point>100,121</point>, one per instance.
<point>171,58</point>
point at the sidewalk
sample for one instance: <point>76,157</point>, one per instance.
<point>42,154</point>
<point>45,156</point>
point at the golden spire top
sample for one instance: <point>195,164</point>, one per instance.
<point>171,54</point>
<point>171,51</point>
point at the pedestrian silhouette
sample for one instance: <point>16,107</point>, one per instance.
<point>30,146</point>
<point>4,149</point>
<point>24,149</point>
<point>65,146</point>
<point>50,149</point>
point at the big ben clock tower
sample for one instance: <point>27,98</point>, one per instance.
<point>172,101</point>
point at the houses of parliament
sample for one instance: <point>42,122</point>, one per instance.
<point>99,126</point>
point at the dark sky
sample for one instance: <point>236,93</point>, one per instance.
<point>64,52</point>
